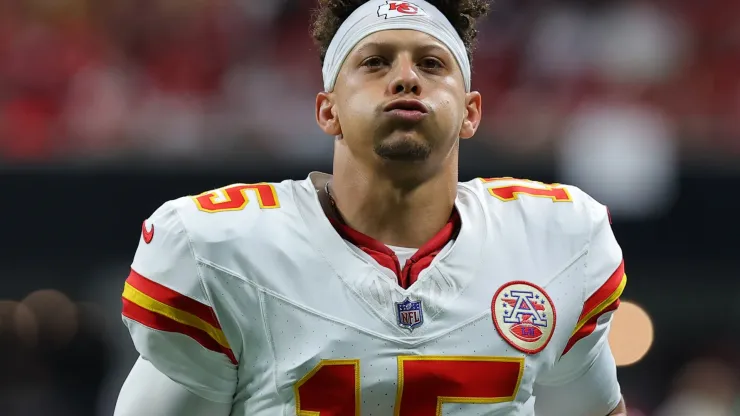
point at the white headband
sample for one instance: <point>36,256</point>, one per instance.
<point>377,15</point>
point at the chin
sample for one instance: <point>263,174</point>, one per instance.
<point>404,149</point>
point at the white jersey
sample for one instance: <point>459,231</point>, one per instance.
<point>247,295</point>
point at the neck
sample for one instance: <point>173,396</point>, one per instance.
<point>395,209</point>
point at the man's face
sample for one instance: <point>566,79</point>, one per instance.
<point>400,96</point>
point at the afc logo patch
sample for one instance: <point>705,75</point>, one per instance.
<point>399,9</point>
<point>409,314</point>
<point>524,316</point>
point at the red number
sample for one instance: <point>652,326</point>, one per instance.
<point>511,192</point>
<point>425,383</point>
<point>332,388</point>
<point>234,197</point>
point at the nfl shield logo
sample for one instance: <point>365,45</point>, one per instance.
<point>409,314</point>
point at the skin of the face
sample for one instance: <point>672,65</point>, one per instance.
<point>415,73</point>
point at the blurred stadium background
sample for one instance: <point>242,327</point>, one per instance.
<point>110,107</point>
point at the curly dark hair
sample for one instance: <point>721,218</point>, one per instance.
<point>463,14</point>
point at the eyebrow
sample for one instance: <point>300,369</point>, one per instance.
<point>373,46</point>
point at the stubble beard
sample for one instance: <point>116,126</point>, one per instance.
<point>403,150</point>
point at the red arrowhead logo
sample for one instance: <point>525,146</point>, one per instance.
<point>147,235</point>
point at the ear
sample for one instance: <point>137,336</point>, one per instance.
<point>326,114</point>
<point>472,118</point>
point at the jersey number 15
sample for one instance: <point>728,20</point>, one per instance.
<point>425,383</point>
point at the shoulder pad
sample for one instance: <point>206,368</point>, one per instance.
<point>541,204</point>
<point>217,214</point>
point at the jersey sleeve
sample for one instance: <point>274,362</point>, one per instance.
<point>595,392</point>
<point>587,354</point>
<point>147,391</point>
<point>605,281</point>
<point>172,323</point>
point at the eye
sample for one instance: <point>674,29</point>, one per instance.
<point>431,63</point>
<point>373,62</point>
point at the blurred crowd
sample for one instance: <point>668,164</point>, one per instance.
<point>94,79</point>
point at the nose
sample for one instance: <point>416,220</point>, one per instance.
<point>404,78</point>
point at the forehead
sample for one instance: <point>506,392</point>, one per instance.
<point>400,40</point>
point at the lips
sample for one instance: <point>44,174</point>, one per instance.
<point>407,111</point>
<point>407,105</point>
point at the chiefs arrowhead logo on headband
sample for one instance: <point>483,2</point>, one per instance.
<point>399,9</point>
<point>377,15</point>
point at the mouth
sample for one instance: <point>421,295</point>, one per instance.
<point>411,110</point>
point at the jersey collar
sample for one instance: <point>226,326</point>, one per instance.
<point>450,271</point>
<point>409,273</point>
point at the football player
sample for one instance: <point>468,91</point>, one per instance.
<point>388,287</point>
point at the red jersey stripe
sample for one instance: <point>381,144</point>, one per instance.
<point>589,327</point>
<point>163,323</point>
<point>595,301</point>
<point>171,298</point>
